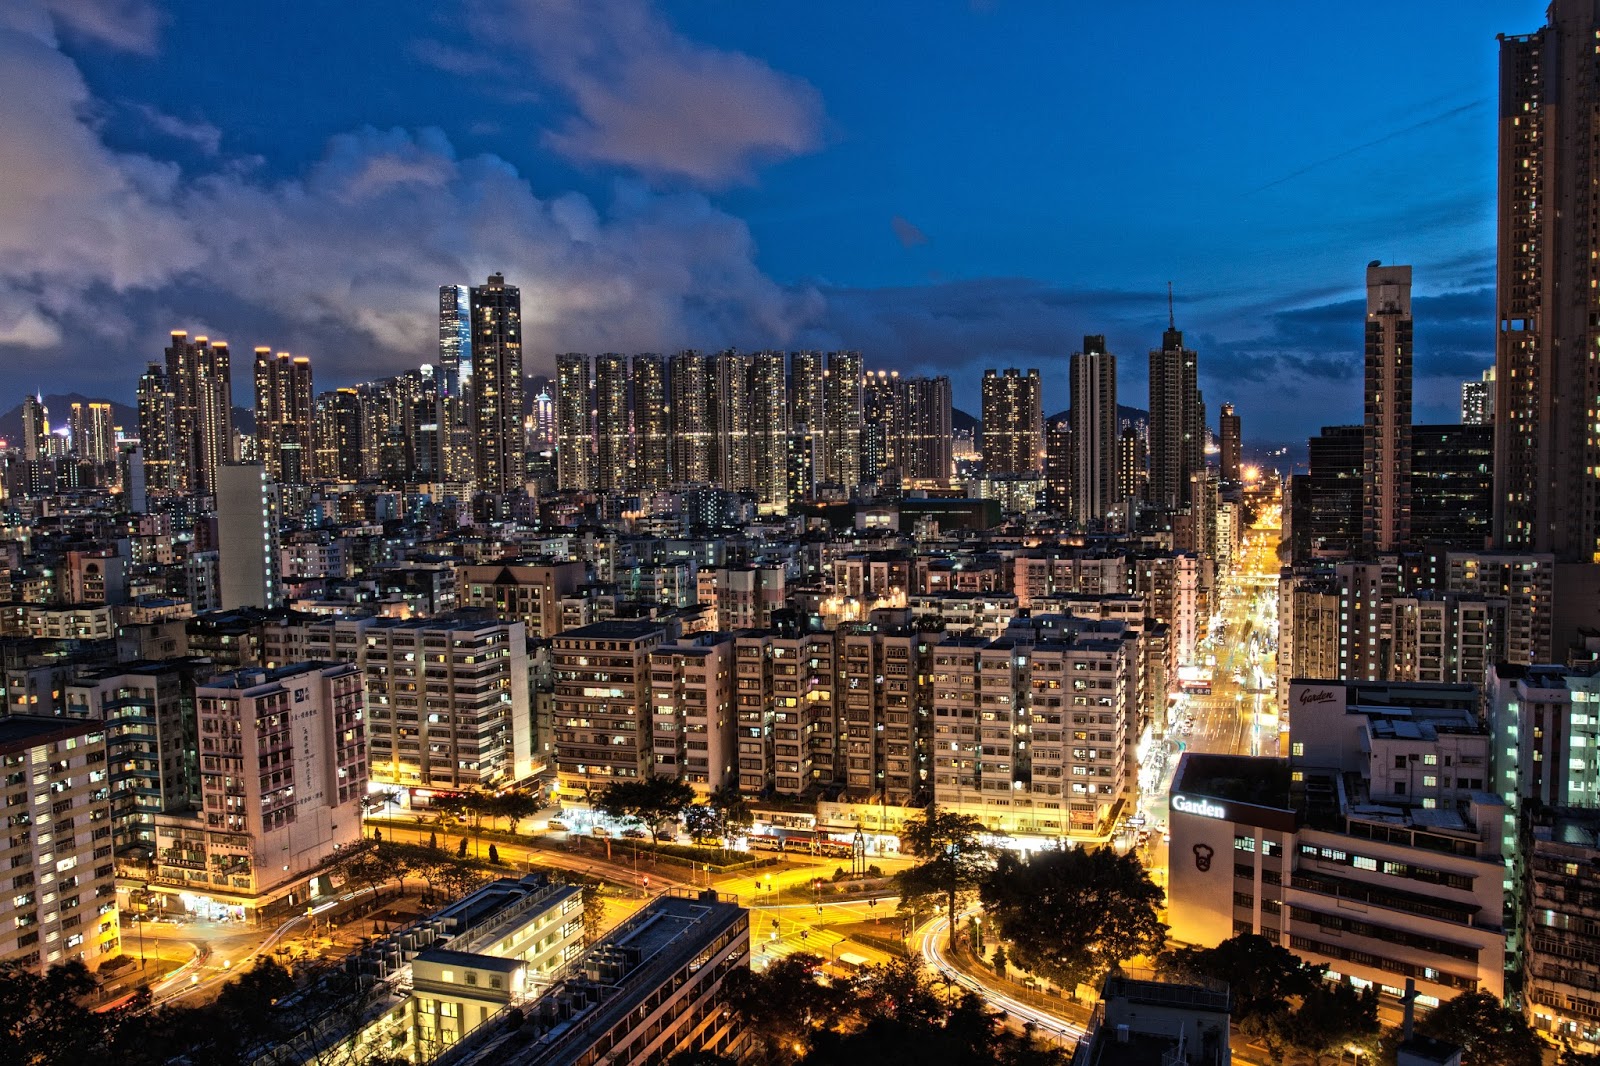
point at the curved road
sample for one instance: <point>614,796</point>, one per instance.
<point>1047,1024</point>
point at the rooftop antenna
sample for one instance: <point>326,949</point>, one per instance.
<point>1172,320</point>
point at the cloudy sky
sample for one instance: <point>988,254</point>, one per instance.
<point>944,184</point>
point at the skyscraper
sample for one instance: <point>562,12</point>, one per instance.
<point>927,439</point>
<point>1013,422</point>
<point>613,437</point>
<point>1058,460</point>
<point>497,385</point>
<point>1228,429</point>
<point>841,416</point>
<point>454,418</point>
<point>652,442</point>
<point>769,431</point>
<point>283,415</point>
<point>35,427</point>
<point>339,441</point>
<point>1386,437</point>
<point>247,537</point>
<point>1177,421</point>
<point>881,412</point>
<point>731,413</point>
<point>199,375</point>
<point>693,427</point>
<point>155,429</point>
<point>1477,400</point>
<point>1094,430</point>
<point>574,430</point>
<point>1547,334</point>
<point>93,434</point>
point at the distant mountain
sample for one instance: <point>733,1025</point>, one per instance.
<point>961,422</point>
<point>1124,414</point>
<point>60,410</point>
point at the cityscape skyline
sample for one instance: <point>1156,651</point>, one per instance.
<point>901,277</point>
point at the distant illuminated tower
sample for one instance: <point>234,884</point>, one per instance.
<point>574,425</point>
<point>1013,422</point>
<point>927,448</point>
<point>841,416</point>
<point>199,375</point>
<point>769,431</point>
<point>35,428</point>
<point>613,435</point>
<point>155,429</point>
<point>497,386</point>
<point>1177,421</point>
<point>1477,400</point>
<point>283,415</point>
<point>339,436</point>
<point>652,442</point>
<point>1133,471</point>
<point>544,417</point>
<point>455,383</point>
<point>881,412</point>
<point>1228,428</point>
<point>693,432</point>
<point>731,413</point>
<point>1094,430</point>
<point>1386,438</point>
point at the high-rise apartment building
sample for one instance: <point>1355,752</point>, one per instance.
<point>928,438</point>
<point>1094,430</point>
<point>1333,522</point>
<point>693,716</point>
<point>338,436</point>
<point>574,427</point>
<point>1177,421</point>
<point>156,429</point>
<point>841,416</point>
<point>1230,442</point>
<point>247,537</point>
<point>1547,333</point>
<point>35,427</point>
<point>613,437</point>
<point>692,418</point>
<point>881,431</point>
<point>602,703</point>
<point>94,437</point>
<point>497,385</point>
<point>652,441</point>
<point>1058,459</point>
<point>284,416</point>
<point>60,882</point>
<point>769,431</point>
<point>733,469</point>
<point>1133,467</point>
<point>1013,422</point>
<point>1452,486</point>
<point>201,382</point>
<point>1386,431</point>
<point>454,417</point>
<point>1477,400</point>
<point>283,771</point>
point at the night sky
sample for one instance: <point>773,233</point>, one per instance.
<point>944,185</point>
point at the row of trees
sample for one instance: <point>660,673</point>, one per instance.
<point>653,802</point>
<point>1070,915</point>
<point>890,1015</point>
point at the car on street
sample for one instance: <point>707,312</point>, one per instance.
<point>635,834</point>
<point>600,831</point>
<point>557,826</point>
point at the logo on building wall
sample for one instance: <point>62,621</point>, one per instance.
<point>1204,808</point>
<point>1202,857</point>
<point>1317,695</point>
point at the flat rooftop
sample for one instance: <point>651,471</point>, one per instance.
<point>19,732</point>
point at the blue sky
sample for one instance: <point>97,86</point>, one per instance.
<point>946,186</point>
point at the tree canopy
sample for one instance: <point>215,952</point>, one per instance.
<point>954,860</point>
<point>1262,976</point>
<point>648,801</point>
<point>1489,1032</point>
<point>1072,915</point>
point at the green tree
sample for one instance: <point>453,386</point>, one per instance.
<point>954,861</point>
<point>42,1021</point>
<point>1489,1032</point>
<point>1072,915</point>
<point>461,849</point>
<point>494,855</point>
<point>649,801</point>
<point>514,806</point>
<point>783,1006</point>
<point>594,912</point>
<point>1262,975</point>
<point>732,808</point>
<point>433,841</point>
<point>459,877</point>
<point>1000,959</point>
<point>1332,1016</point>
<point>703,822</point>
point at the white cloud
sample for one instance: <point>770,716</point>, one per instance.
<point>103,251</point>
<point>202,135</point>
<point>649,98</point>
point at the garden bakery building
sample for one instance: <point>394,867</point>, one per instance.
<point>1379,892</point>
